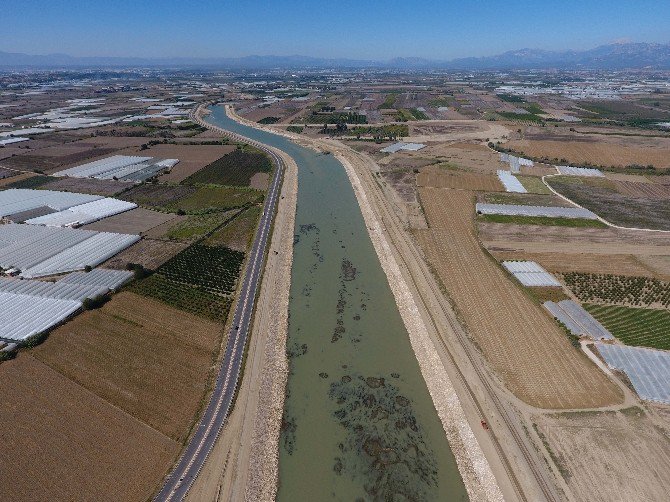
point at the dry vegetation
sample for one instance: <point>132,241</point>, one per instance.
<point>529,351</point>
<point>62,442</point>
<point>142,356</point>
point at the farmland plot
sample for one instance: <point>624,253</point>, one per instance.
<point>93,186</point>
<point>209,199</point>
<point>581,262</point>
<point>635,326</point>
<point>607,456</point>
<point>212,269</point>
<point>441,178</point>
<point>69,444</point>
<point>619,289</point>
<point>528,350</point>
<point>234,169</point>
<point>645,190</point>
<point>149,253</point>
<point>639,212</point>
<point>152,195</point>
<point>140,355</point>
<point>183,296</point>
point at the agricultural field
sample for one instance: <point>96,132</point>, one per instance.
<point>540,220</point>
<point>522,199</point>
<point>192,158</point>
<point>635,326</point>
<point>211,269</point>
<point>598,150</point>
<point>643,190</point>
<point>93,186</point>
<point>208,199</point>
<point>436,177</point>
<point>154,195</point>
<point>582,262</point>
<point>183,297</point>
<point>197,226</point>
<point>4,182</point>
<point>238,233</point>
<point>150,253</point>
<point>135,221</point>
<point>234,169</point>
<point>619,289</point>
<point>534,185</point>
<point>636,212</point>
<point>69,444</point>
<point>31,182</point>
<point>548,239</point>
<point>140,355</point>
<point>611,455</point>
<point>527,349</point>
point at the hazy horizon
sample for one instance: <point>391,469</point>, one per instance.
<point>369,30</point>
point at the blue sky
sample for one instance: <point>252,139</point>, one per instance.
<point>368,29</point>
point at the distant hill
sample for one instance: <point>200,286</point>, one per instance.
<point>613,56</point>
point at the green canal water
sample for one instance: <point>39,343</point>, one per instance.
<point>359,423</point>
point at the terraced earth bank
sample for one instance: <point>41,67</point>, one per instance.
<point>359,423</point>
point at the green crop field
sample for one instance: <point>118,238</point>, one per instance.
<point>534,185</point>
<point>635,326</point>
<point>233,169</point>
<point>211,269</point>
<point>209,199</point>
<point>183,296</point>
<point>199,225</point>
<point>32,182</point>
<point>541,220</point>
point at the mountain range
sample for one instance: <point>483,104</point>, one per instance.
<point>612,56</point>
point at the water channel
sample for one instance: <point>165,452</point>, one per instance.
<point>359,423</point>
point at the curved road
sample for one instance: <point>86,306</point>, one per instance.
<point>180,480</point>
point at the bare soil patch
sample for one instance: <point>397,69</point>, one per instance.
<point>135,221</point>
<point>63,442</point>
<point>149,253</point>
<point>260,181</point>
<point>87,185</point>
<point>150,360</point>
<point>609,455</point>
<point>436,177</point>
<point>524,345</point>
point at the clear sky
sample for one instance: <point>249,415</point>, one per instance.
<point>370,29</point>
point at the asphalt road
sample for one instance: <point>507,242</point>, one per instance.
<point>180,480</point>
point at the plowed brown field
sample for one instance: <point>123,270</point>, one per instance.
<point>442,178</point>
<point>62,442</point>
<point>524,345</point>
<point>648,190</point>
<point>603,153</point>
<point>150,360</point>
